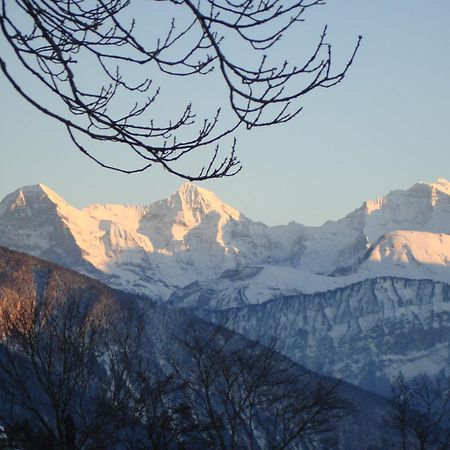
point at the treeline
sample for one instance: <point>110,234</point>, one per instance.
<point>79,372</point>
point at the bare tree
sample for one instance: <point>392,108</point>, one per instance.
<point>141,400</point>
<point>78,371</point>
<point>50,348</point>
<point>214,389</point>
<point>243,395</point>
<point>59,41</point>
<point>420,414</point>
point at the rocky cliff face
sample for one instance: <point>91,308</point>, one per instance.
<point>365,333</point>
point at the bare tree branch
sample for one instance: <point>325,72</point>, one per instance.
<point>59,42</point>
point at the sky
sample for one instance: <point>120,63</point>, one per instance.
<point>385,127</point>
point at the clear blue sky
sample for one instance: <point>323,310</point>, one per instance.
<point>385,127</point>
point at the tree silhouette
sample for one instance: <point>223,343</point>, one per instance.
<point>59,42</point>
<point>74,375</point>
<point>244,395</point>
<point>419,414</point>
<point>49,367</point>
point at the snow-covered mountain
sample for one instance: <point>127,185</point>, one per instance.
<point>346,298</point>
<point>365,333</point>
<point>200,252</point>
<point>152,249</point>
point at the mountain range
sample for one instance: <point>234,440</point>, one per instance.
<point>347,298</point>
<point>194,237</point>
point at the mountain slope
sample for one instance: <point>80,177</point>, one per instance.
<point>22,276</point>
<point>402,252</point>
<point>365,333</point>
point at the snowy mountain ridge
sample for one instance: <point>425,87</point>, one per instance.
<point>360,298</point>
<point>192,238</point>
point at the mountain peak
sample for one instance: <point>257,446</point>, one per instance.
<point>35,188</point>
<point>32,196</point>
<point>38,190</point>
<point>199,201</point>
<point>442,185</point>
<point>426,192</point>
<point>190,189</point>
<point>22,197</point>
<point>168,221</point>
